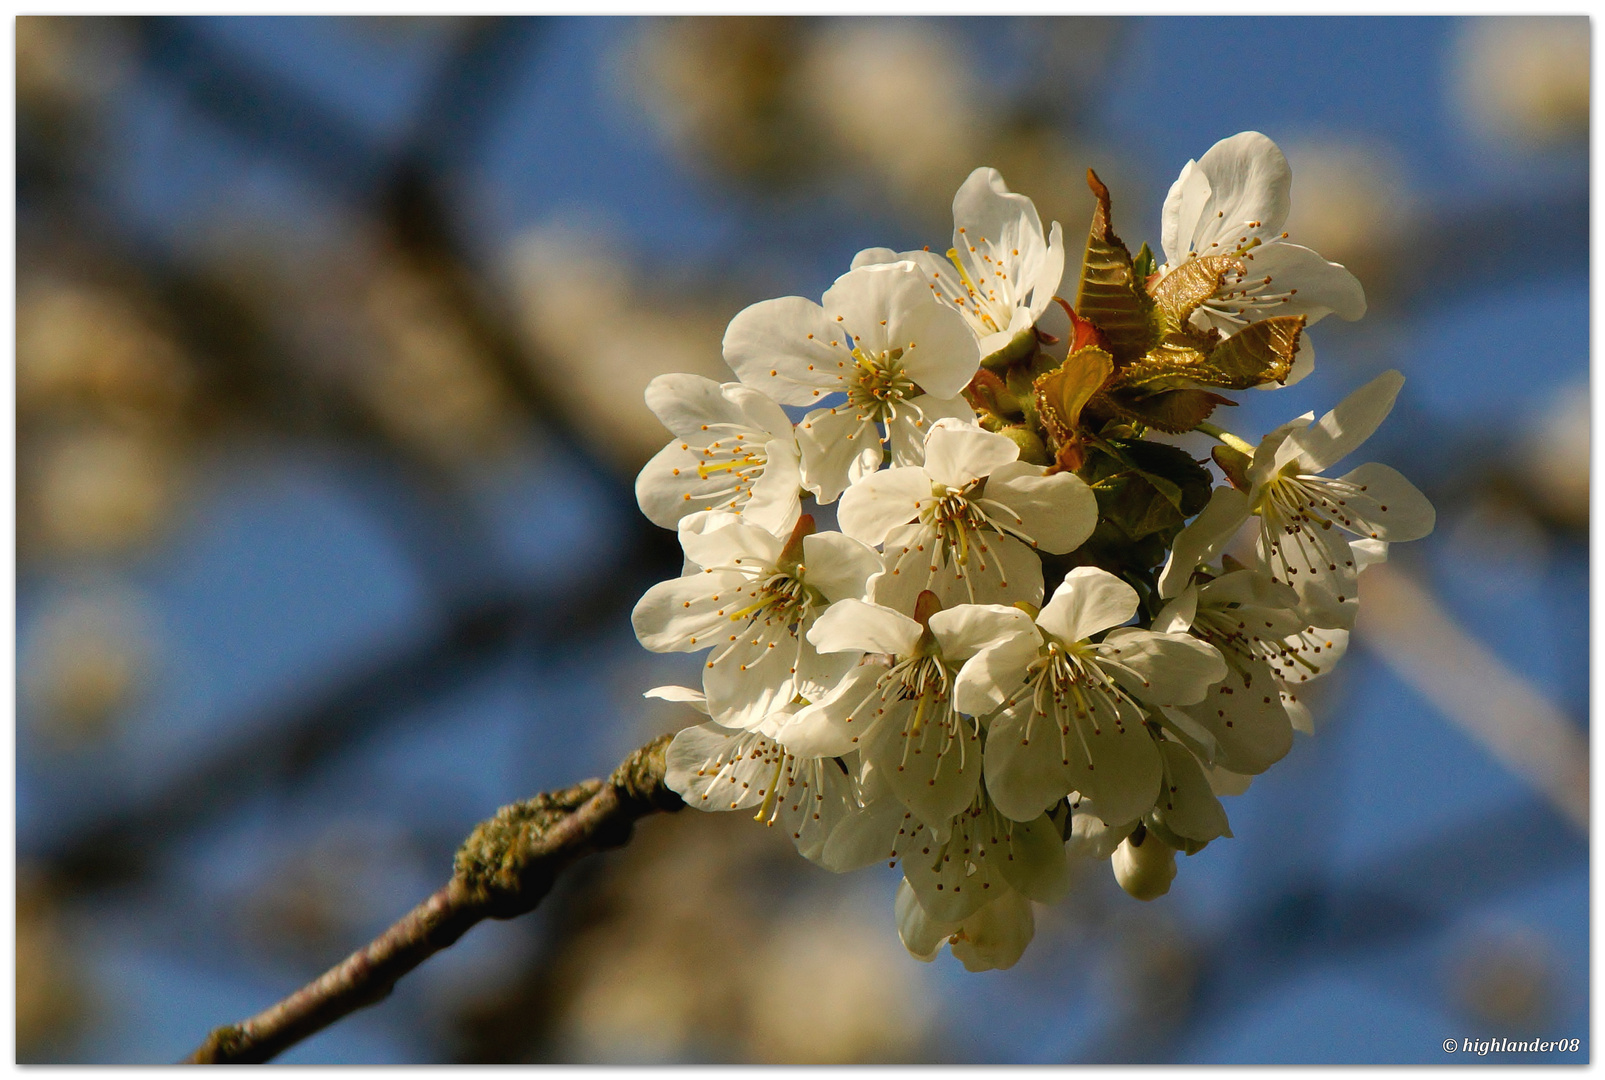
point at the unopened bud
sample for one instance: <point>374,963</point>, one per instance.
<point>1145,868</point>
<point>1032,450</point>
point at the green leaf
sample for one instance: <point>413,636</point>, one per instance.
<point>1110,294</point>
<point>1144,265</point>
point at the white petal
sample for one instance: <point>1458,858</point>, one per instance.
<point>838,566</point>
<point>1203,538</point>
<point>992,676</point>
<point>1249,193</point>
<point>1186,805</point>
<point>1091,838</point>
<point>827,728</point>
<point>866,837</point>
<point>921,935</point>
<point>838,445</point>
<point>1389,508</point>
<point>1298,714</point>
<point>882,501</point>
<point>687,402</point>
<point>1225,782</point>
<point>1184,205</point>
<point>666,487</point>
<point>1322,286</point>
<point>1332,438</point>
<point>874,256</point>
<point>1368,552</point>
<point>1244,713</point>
<point>1038,868</point>
<point>716,539</point>
<point>995,937</point>
<point>1176,617</point>
<point>1164,669</point>
<point>1059,512</point>
<point>997,570</point>
<point>775,500</point>
<point>713,768</point>
<point>911,421</point>
<point>931,772</point>
<point>686,614</point>
<point>959,454</point>
<point>967,629</point>
<point>1087,601</point>
<point>853,624</point>
<point>861,300</point>
<point>683,694</point>
<point>771,345</point>
<point>1250,588</point>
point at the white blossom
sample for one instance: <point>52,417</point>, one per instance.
<point>1001,272</point>
<point>719,769</point>
<point>1234,201</point>
<point>968,522</point>
<point>751,597</point>
<point>901,359</point>
<point>733,449</point>
<point>1303,515</point>
<point>902,715</point>
<point>1068,713</point>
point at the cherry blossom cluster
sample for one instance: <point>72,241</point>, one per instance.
<point>1026,640</point>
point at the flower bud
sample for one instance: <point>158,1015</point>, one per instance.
<point>1032,451</point>
<point>1144,865</point>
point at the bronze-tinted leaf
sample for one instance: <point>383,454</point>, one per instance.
<point>1179,293</point>
<point>1260,352</point>
<point>1110,294</point>
<point>1172,411</point>
<point>1062,394</point>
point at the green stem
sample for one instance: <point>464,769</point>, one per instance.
<point>1240,445</point>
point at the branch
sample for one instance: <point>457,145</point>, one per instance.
<point>504,869</point>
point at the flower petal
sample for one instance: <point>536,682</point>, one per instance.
<point>967,629</point>
<point>1250,184</point>
<point>1319,287</point>
<point>827,728</point>
<point>1184,206</point>
<point>994,675</point>
<point>1203,538</point>
<point>838,566</point>
<point>680,694</point>
<point>997,570</point>
<point>688,613</point>
<point>934,771</point>
<point>995,936</point>
<point>959,454</point>
<point>1333,437</point>
<point>1244,713</point>
<point>882,501</point>
<point>838,446</point>
<point>1386,506</point>
<point>1087,601</point>
<point>685,403</point>
<point>789,349</point>
<point>853,624</point>
<point>921,935</point>
<point>1058,512</point>
<point>1186,805</point>
<point>1163,669</point>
